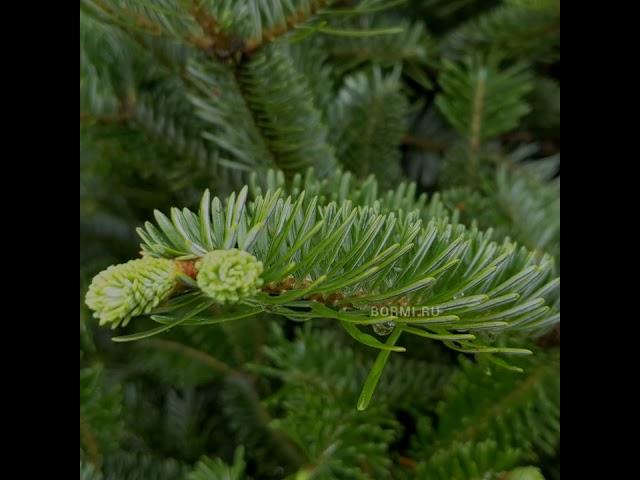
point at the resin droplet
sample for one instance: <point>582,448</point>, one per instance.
<point>384,328</point>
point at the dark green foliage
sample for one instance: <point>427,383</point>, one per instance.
<point>411,47</point>
<point>520,412</point>
<point>338,441</point>
<point>216,469</point>
<point>282,102</point>
<point>480,100</point>
<point>472,461</point>
<point>524,29</point>
<point>100,410</point>
<point>129,466</point>
<point>394,153</point>
<point>519,198</point>
<point>368,121</point>
<point>545,105</point>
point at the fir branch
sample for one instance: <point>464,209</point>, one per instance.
<point>124,17</point>
<point>513,398</point>
<point>471,461</point>
<point>343,185</point>
<point>139,24</point>
<point>216,469</point>
<point>519,199</point>
<point>482,101</point>
<point>182,95</point>
<point>296,18</point>
<point>280,99</point>
<point>241,379</point>
<point>281,126</point>
<point>348,263</point>
<point>525,30</point>
<point>368,119</point>
<point>484,402</point>
<point>285,446</point>
<point>314,385</point>
<point>407,46</point>
<point>216,39</point>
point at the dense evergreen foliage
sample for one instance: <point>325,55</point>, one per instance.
<point>320,239</point>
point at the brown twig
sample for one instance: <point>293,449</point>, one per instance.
<point>550,339</point>
<point>188,267</point>
<point>408,463</point>
<point>216,40</point>
<point>424,144</point>
<point>139,21</point>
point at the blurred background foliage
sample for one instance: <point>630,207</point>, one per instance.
<point>462,98</point>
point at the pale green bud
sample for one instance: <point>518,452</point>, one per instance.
<point>228,276</point>
<point>130,289</point>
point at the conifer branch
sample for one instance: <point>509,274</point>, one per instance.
<point>512,417</point>
<point>287,448</point>
<point>240,378</point>
<point>331,261</point>
<point>215,40</point>
<point>178,96</point>
<point>299,17</point>
<point>481,100</point>
<point>504,404</point>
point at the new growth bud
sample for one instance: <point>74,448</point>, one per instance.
<point>228,276</point>
<point>130,289</point>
